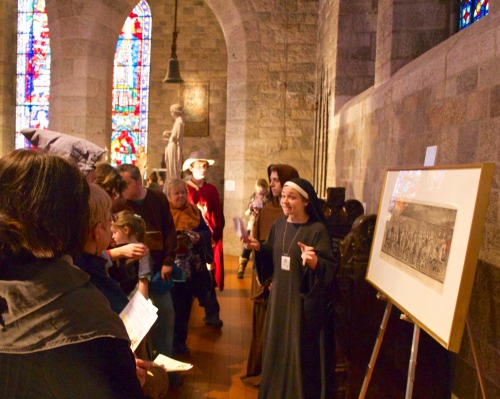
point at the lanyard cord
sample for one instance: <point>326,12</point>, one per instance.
<point>291,242</point>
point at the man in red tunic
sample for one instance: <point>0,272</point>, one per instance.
<point>206,197</point>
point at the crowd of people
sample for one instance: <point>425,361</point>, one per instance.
<point>65,280</point>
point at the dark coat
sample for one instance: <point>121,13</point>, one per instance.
<point>61,339</point>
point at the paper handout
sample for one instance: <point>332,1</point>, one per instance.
<point>240,227</point>
<point>138,316</point>
<point>171,364</point>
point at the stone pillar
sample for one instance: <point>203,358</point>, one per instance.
<point>8,23</point>
<point>83,41</point>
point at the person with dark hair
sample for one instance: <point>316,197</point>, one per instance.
<point>303,265</point>
<point>51,313</point>
<point>109,179</point>
<point>153,183</point>
<point>161,239</point>
<point>278,174</point>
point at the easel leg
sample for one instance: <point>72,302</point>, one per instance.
<point>376,349</point>
<point>478,370</point>
<point>413,361</point>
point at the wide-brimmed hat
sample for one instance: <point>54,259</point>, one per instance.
<point>196,156</point>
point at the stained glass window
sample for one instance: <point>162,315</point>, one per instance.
<point>33,68</point>
<point>471,11</point>
<point>131,87</point>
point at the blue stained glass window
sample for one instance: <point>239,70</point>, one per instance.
<point>131,87</point>
<point>33,68</point>
<point>471,11</point>
<point>481,9</point>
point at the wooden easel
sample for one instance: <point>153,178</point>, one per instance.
<point>378,344</point>
<point>412,366</point>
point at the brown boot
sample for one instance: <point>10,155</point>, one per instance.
<point>242,266</point>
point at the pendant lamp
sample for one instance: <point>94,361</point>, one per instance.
<point>173,73</point>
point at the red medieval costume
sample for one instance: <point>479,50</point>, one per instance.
<point>208,200</point>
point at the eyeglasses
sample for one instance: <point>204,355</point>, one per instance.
<point>114,217</point>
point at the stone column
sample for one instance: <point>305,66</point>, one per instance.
<point>83,41</point>
<point>8,24</point>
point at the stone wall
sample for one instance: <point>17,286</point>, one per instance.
<point>447,96</point>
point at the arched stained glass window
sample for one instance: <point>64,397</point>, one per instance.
<point>33,68</point>
<point>131,87</point>
<point>471,11</point>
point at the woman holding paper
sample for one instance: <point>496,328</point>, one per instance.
<point>97,240</point>
<point>155,383</point>
<point>303,265</point>
<point>79,342</point>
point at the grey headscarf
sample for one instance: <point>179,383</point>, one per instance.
<point>83,152</point>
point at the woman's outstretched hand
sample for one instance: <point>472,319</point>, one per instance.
<point>308,256</point>
<point>251,243</point>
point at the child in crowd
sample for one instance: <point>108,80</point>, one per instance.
<point>257,200</point>
<point>130,273</point>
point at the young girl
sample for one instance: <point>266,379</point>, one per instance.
<point>257,200</point>
<point>130,273</point>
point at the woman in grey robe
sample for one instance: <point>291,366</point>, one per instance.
<point>303,266</point>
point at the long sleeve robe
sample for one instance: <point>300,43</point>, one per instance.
<point>296,312</point>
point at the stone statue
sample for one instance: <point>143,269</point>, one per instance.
<point>173,138</point>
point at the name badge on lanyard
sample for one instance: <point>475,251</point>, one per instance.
<point>285,262</point>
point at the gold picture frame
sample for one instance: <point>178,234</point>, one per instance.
<point>195,101</point>
<point>426,244</point>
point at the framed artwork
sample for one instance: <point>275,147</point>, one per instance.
<point>195,100</point>
<point>426,244</point>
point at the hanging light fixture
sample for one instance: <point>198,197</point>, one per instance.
<point>173,73</point>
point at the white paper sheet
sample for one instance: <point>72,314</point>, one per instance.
<point>240,227</point>
<point>138,316</point>
<point>171,364</point>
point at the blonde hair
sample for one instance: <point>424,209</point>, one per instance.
<point>135,223</point>
<point>100,205</point>
<point>262,183</point>
<point>175,182</point>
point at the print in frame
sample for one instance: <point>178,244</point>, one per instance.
<point>426,244</point>
<point>195,101</point>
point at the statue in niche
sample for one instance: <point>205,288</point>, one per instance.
<point>173,138</point>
